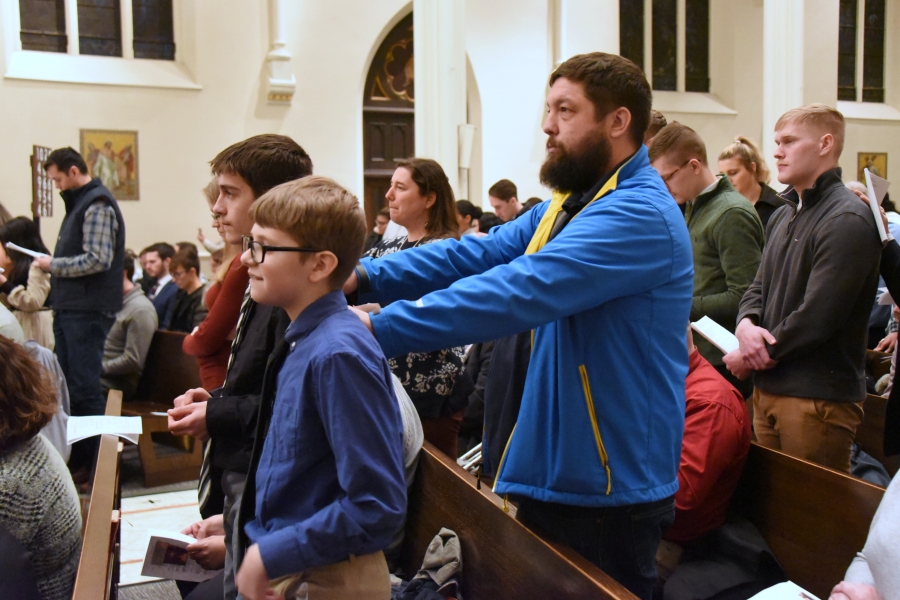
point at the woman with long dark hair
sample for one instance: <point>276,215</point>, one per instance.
<point>421,200</point>
<point>27,285</point>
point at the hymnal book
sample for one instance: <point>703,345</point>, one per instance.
<point>877,187</point>
<point>167,557</point>
<point>784,591</point>
<point>718,336</point>
<point>79,428</point>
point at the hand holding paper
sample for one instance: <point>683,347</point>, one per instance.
<point>30,253</point>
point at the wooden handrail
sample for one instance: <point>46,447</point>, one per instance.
<point>94,576</point>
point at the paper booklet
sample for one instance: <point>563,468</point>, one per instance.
<point>877,187</point>
<point>79,428</point>
<point>784,591</point>
<point>30,253</point>
<point>167,557</point>
<point>720,337</point>
<point>884,297</point>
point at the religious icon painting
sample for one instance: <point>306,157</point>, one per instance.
<point>875,162</point>
<point>112,156</point>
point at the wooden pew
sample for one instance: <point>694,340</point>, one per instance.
<point>814,519</point>
<point>168,373</point>
<point>870,435</point>
<point>501,557</point>
<point>99,565</point>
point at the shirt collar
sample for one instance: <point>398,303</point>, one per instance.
<point>163,281</point>
<point>315,313</point>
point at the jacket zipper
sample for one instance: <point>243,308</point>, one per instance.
<point>500,466</point>
<point>604,457</point>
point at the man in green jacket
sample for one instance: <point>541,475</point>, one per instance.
<point>726,233</point>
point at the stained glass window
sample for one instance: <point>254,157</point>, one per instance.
<point>696,76</point>
<point>665,42</point>
<point>153,29</point>
<point>99,27</point>
<point>873,52</point>
<point>631,30</point>
<point>43,25</point>
<point>847,51</point>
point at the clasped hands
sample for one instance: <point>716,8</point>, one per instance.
<point>189,415</point>
<point>752,355</point>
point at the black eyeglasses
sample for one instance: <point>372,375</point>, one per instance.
<point>258,251</point>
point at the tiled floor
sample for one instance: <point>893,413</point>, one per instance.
<point>172,511</point>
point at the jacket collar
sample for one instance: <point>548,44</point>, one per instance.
<point>824,182</point>
<point>314,314</point>
<point>722,186</point>
<point>72,196</point>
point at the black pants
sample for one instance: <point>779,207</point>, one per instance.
<point>621,540</point>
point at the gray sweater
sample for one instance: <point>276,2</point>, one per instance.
<point>128,342</point>
<point>39,506</point>
<point>877,565</point>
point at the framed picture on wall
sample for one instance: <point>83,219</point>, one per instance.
<point>875,162</point>
<point>112,156</point>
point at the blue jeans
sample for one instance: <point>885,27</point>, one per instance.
<point>80,336</point>
<point>621,540</point>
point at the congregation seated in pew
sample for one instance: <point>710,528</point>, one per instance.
<point>187,309</point>
<point>128,340</point>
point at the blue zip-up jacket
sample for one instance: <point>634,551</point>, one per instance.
<point>608,298</point>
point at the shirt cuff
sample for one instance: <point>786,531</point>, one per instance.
<point>278,551</point>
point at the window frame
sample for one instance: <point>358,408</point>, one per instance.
<point>72,67</point>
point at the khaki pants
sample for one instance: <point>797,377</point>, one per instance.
<point>820,431</point>
<point>357,578</point>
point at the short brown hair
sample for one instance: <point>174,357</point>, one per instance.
<point>430,178</point>
<point>318,213</point>
<point>611,81</point>
<point>819,116</point>
<point>187,259</point>
<point>679,143</point>
<point>747,154</point>
<point>504,189</point>
<point>28,396</point>
<point>264,161</point>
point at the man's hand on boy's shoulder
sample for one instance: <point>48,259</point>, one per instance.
<point>364,317</point>
<point>252,580</point>
<point>189,420</point>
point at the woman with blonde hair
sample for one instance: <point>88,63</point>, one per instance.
<point>210,341</point>
<point>744,165</point>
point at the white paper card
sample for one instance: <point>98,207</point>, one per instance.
<point>784,591</point>
<point>884,297</point>
<point>720,337</point>
<point>168,558</point>
<point>79,428</point>
<point>30,253</point>
<point>877,187</point>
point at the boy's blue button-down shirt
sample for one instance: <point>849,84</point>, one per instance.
<point>330,481</point>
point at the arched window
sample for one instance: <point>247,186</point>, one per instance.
<point>669,39</point>
<point>861,50</point>
<point>388,114</point>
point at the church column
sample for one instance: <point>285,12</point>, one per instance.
<point>582,26</point>
<point>280,82</point>
<point>440,86</point>
<point>800,53</point>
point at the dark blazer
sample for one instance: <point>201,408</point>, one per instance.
<point>161,302</point>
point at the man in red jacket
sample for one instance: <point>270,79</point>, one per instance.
<point>713,451</point>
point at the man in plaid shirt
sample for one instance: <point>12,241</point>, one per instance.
<point>85,287</point>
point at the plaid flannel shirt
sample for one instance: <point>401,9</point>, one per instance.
<point>98,241</point>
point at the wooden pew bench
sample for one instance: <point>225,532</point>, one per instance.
<point>98,569</point>
<point>501,557</point>
<point>814,519</point>
<point>870,435</point>
<point>168,373</point>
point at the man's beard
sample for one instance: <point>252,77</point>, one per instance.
<point>579,169</point>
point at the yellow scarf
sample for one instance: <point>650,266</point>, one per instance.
<point>542,234</point>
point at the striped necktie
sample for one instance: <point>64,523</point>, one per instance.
<point>204,487</point>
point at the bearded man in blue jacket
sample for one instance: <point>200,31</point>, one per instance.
<point>602,274</point>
